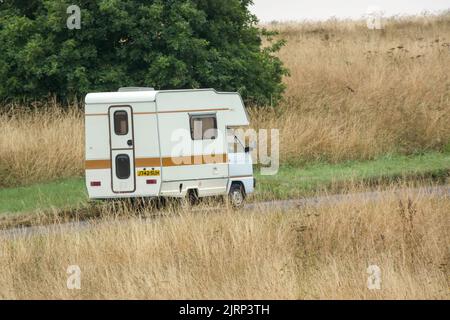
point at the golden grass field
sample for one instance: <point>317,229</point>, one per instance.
<point>312,253</point>
<point>356,93</point>
<point>353,94</point>
<point>41,145</point>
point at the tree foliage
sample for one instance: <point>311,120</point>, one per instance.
<point>166,44</point>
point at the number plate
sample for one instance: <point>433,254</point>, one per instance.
<point>148,173</point>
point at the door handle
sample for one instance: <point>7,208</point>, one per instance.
<point>130,143</point>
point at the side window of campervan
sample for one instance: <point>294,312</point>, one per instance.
<point>203,127</point>
<point>121,123</point>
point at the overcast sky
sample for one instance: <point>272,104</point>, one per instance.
<point>269,10</point>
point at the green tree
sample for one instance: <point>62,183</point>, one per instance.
<point>167,44</point>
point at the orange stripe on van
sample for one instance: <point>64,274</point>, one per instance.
<point>195,110</point>
<point>148,162</point>
<point>194,160</point>
<point>180,111</point>
<point>166,162</point>
<point>162,112</point>
<point>97,164</point>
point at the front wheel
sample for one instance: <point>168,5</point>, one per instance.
<point>237,196</point>
<point>192,198</point>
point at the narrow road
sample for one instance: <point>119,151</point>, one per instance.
<point>443,191</point>
<point>440,191</point>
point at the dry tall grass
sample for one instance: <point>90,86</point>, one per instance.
<point>355,93</point>
<point>352,94</point>
<point>40,145</point>
<point>313,253</point>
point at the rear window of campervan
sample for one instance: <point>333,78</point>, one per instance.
<point>123,166</point>
<point>121,123</point>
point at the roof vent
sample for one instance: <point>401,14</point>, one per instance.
<point>133,89</point>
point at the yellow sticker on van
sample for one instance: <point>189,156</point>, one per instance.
<point>148,173</point>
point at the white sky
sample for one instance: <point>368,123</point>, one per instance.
<point>282,10</point>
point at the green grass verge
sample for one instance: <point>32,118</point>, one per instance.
<point>59,194</point>
<point>294,182</point>
<point>290,182</point>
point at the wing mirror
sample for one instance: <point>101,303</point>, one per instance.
<point>251,147</point>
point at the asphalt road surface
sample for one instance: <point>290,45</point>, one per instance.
<point>440,191</point>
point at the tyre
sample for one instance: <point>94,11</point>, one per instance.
<point>192,198</point>
<point>237,196</point>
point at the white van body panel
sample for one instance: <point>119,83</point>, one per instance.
<point>158,149</point>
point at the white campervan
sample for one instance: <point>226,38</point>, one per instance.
<point>142,143</point>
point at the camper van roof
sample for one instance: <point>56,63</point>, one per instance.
<point>121,97</point>
<point>128,89</point>
<point>130,96</point>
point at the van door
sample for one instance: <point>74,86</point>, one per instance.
<point>240,162</point>
<point>122,149</point>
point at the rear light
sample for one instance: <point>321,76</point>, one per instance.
<point>96,184</point>
<point>152,181</point>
